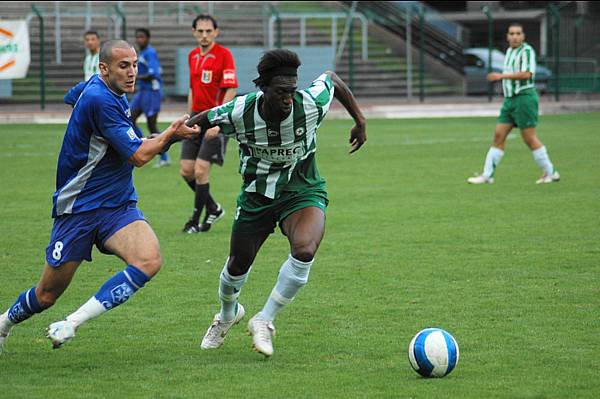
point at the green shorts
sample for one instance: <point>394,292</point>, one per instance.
<point>256,213</point>
<point>520,110</point>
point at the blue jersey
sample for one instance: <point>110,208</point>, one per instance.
<point>93,169</point>
<point>148,64</point>
<point>74,92</point>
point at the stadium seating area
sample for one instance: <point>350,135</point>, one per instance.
<point>242,24</point>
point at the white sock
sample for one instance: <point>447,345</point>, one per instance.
<point>5,323</point>
<point>293,275</point>
<point>543,160</point>
<point>492,159</point>
<point>89,310</point>
<point>229,291</point>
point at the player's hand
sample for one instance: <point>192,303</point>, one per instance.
<point>358,136</point>
<point>493,76</point>
<point>212,133</point>
<point>181,129</point>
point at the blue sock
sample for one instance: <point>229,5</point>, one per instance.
<point>26,306</point>
<point>164,156</point>
<point>120,287</point>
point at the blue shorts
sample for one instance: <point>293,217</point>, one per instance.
<point>73,236</point>
<point>148,101</point>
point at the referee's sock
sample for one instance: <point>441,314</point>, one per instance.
<point>202,193</point>
<point>191,183</point>
<point>211,205</point>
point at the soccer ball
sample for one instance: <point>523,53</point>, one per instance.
<point>433,352</point>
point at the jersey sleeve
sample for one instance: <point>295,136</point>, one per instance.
<point>321,92</point>
<point>528,61</point>
<point>74,92</point>
<point>229,78</point>
<point>115,127</point>
<point>222,116</point>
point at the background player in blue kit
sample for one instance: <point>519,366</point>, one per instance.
<point>147,99</point>
<point>95,200</point>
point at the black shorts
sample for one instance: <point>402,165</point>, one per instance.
<point>212,151</point>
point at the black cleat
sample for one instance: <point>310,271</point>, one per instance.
<point>191,227</point>
<point>212,218</point>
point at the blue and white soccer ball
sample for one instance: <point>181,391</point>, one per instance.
<point>433,352</point>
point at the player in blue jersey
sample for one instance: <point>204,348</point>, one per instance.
<point>147,99</point>
<point>95,200</point>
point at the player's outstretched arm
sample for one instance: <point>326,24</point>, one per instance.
<point>209,130</point>
<point>201,120</point>
<point>494,76</point>
<point>156,144</point>
<point>358,134</point>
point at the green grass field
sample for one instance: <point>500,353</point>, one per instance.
<point>512,270</point>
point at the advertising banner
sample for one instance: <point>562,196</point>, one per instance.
<point>14,49</point>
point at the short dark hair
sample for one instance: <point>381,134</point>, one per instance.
<point>278,58</point>
<point>91,32</point>
<point>107,47</point>
<point>144,31</point>
<point>205,17</point>
<point>515,24</point>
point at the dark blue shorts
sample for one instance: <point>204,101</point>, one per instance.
<point>73,236</point>
<point>148,101</point>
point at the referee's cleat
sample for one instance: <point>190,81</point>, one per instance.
<point>480,179</point>
<point>212,218</point>
<point>191,227</point>
<point>546,178</point>
<point>60,332</point>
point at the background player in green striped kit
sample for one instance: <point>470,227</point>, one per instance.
<point>276,128</point>
<point>520,109</point>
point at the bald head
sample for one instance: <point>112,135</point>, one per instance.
<point>118,65</point>
<point>106,51</point>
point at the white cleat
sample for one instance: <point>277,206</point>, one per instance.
<point>262,332</point>
<point>481,179</point>
<point>546,178</point>
<point>215,335</point>
<point>5,326</point>
<point>60,332</point>
<point>162,163</point>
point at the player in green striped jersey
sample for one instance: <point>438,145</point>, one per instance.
<point>277,131</point>
<point>520,109</point>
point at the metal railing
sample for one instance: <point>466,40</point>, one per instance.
<point>40,16</point>
<point>435,19</point>
<point>274,28</point>
<point>392,18</point>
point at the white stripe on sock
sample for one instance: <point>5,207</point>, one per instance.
<point>280,299</point>
<point>27,298</point>
<point>130,280</point>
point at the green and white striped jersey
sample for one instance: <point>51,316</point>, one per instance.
<point>271,154</point>
<point>521,59</point>
<point>90,65</point>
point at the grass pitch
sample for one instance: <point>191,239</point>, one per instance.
<point>512,270</point>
